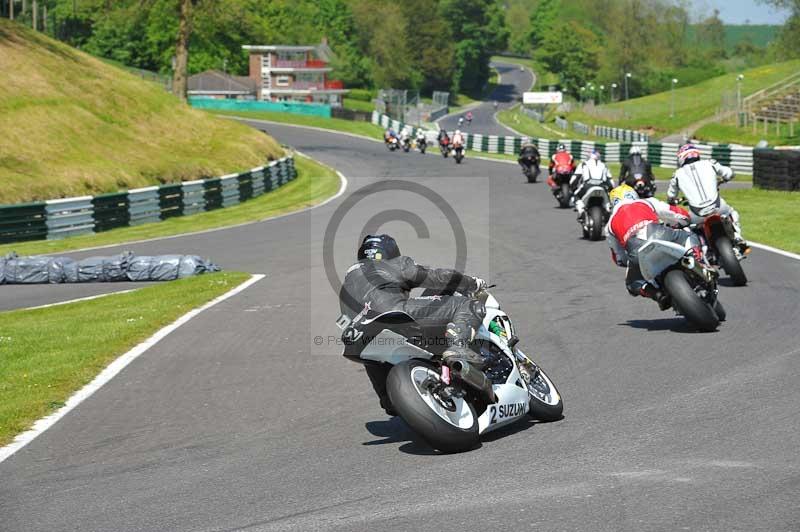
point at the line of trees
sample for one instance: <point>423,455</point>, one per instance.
<point>419,44</point>
<point>600,41</point>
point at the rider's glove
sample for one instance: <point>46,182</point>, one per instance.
<point>480,285</point>
<point>672,201</point>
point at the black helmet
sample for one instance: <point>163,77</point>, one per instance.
<point>377,247</point>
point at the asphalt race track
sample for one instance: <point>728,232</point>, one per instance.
<point>238,421</point>
<point>513,82</point>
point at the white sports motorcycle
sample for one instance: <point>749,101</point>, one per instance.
<point>450,406</point>
<point>597,210</point>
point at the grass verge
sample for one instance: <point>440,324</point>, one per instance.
<point>48,354</point>
<point>768,216</point>
<point>74,125</point>
<point>526,125</point>
<point>314,184</point>
<point>366,129</point>
<point>730,133</point>
<point>692,103</point>
<point>357,105</point>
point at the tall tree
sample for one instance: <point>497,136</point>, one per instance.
<point>789,41</point>
<point>180,76</point>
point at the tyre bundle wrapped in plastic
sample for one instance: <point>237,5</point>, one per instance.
<point>123,267</point>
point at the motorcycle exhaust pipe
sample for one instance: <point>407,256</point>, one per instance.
<point>474,378</point>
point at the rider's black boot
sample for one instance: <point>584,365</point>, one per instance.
<point>458,337</point>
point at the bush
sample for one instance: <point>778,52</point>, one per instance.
<point>365,95</point>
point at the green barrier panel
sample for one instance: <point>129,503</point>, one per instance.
<point>601,147</point>
<point>22,222</point>
<point>245,186</point>
<point>501,144</point>
<point>517,144</point>
<point>170,200</point>
<point>485,143</point>
<point>722,154</point>
<point>654,154</point>
<point>470,142</point>
<point>212,193</point>
<point>300,108</point>
<point>111,211</point>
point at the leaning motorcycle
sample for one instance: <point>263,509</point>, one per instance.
<point>444,147</point>
<point>717,234</point>
<point>458,154</point>
<point>559,184</point>
<point>530,169</point>
<point>688,280</point>
<point>422,144</point>
<point>597,210</point>
<point>392,144</point>
<point>451,406</point>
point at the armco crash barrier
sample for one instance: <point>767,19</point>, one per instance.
<point>740,158</point>
<point>79,216</point>
<point>123,267</point>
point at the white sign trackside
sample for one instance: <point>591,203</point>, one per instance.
<point>532,98</point>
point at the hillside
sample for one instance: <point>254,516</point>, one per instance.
<point>72,125</point>
<point>759,35</point>
<point>692,103</point>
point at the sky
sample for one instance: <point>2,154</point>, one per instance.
<point>739,11</point>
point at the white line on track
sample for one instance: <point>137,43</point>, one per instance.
<point>765,247</point>
<point>88,298</point>
<point>314,128</point>
<point>111,370</point>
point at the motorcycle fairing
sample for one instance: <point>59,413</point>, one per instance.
<point>393,348</point>
<point>655,256</point>
<point>597,191</point>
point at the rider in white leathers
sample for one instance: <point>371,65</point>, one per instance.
<point>589,173</point>
<point>698,181</point>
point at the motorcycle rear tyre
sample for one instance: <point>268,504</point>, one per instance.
<point>696,311</point>
<point>565,195</point>
<point>729,262</point>
<point>596,215</point>
<point>435,431</point>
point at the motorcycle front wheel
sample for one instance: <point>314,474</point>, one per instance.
<point>449,425</point>
<point>729,262</point>
<point>685,300</point>
<point>545,401</point>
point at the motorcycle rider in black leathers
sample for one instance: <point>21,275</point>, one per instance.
<point>529,156</point>
<point>381,281</point>
<point>636,164</point>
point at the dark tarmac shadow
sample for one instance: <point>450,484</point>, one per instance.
<point>514,428</point>
<point>394,430</point>
<point>727,281</point>
<point>677,324</point>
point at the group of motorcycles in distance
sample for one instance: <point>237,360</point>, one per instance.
<point>691,293</point>
<point>447,145</point>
